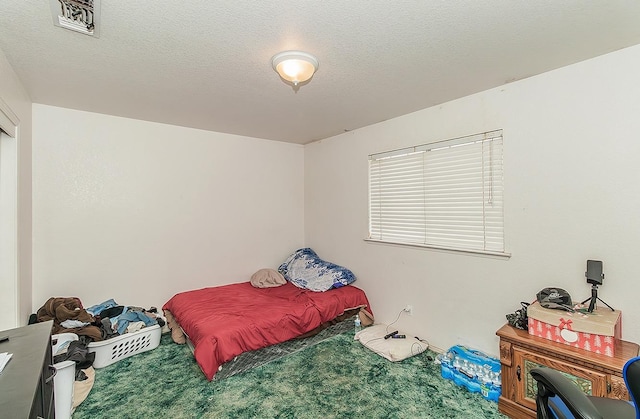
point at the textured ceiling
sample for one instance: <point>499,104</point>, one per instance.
<point>206,64</point>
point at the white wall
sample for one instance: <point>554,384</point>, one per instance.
<point>572,159</point>
<point>18,103</point>
<point>138,211</point>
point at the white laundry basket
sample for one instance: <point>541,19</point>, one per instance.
<point>123,346</point>
<point>65,376</point>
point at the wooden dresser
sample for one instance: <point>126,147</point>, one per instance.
<point>596,374</point>
<point>26,384</point>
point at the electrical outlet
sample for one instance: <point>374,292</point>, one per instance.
<point>408,309</point>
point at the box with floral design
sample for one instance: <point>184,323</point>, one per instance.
<point>594,332</point>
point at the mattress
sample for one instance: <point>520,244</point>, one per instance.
<point>223,322</point>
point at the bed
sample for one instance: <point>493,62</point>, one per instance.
<point>225,321</point>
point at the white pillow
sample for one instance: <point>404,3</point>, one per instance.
<point>393,349</point>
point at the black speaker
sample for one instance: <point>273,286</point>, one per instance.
<point>594,272</point>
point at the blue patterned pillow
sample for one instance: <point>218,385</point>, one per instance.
<point>305,269</point>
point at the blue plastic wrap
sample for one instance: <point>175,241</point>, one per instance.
<point>472,369</point>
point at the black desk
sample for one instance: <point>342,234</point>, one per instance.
<point>26,383</point>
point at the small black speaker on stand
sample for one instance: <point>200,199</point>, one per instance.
<point>594,277</point>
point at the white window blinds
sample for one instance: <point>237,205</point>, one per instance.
<point>447,194</point>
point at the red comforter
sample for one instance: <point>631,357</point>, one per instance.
<point>223,322</point>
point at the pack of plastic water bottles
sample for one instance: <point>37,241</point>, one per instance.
<point>472,369</point>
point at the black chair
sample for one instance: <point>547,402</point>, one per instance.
<point>559,398</point>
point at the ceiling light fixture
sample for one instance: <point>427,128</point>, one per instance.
<point>295,67</point>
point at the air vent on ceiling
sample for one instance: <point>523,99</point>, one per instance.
<point>77,15</point>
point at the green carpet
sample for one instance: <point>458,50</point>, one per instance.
<point>336,378</point>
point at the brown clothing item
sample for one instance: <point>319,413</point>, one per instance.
<point>176,332</point>
<point>60,309</point>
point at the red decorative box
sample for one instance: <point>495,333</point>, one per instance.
<point>594,332</point>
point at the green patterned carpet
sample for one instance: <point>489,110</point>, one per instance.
<point>336,378</point>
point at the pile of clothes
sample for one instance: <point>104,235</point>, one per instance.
<point>117,320</point>
<point>99,322</point>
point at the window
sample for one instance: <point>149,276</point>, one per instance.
<point>447,195</point>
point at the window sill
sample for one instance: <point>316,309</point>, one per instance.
<point>498,255</point>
